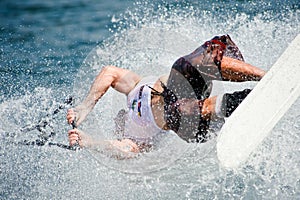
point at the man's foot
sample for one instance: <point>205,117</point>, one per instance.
<point>232,101</point>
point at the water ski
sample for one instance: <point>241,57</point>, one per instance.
<point>256,116</point>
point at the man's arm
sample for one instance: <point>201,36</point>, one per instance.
<point>120,79</point>
<point>124,148</point>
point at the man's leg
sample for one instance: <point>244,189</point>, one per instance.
<point>236,70</point>
<point>222,105</point>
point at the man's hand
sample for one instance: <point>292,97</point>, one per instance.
<point>77,136</point>
<point>77,114</point>
<point>71,116</point>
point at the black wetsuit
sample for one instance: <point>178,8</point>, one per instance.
<point>190,78</point>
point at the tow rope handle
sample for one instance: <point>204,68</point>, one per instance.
<point>75,146</point>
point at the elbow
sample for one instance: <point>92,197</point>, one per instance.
<point>108,69</point>
<point>110,74</point>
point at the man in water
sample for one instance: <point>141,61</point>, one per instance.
<point>178,102</point>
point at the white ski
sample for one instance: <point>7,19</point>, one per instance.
<point>256,116</point>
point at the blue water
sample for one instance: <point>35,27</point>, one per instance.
<point>50,50</point>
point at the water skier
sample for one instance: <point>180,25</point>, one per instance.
<point>179,101</point>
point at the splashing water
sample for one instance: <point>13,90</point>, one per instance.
<point>148,38</point>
